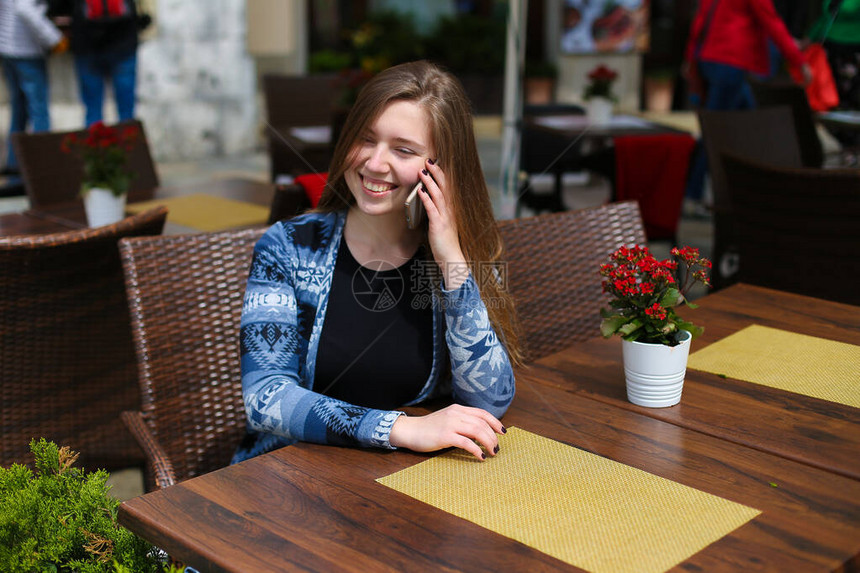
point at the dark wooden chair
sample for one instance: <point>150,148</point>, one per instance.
<point>67,361</point>
<point>545,152</point>
<point>766,135</point>
<point>52,176</point>
<point>797,229</point>
<point>785,92</point>
<point>296,102</point>
<point>552,270</point>
<point>185,296</point>
<point>288,201</point>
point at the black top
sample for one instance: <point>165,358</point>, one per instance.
<point>376,346</point>
<point>114,36</point>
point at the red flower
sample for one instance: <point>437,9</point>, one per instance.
<point>602,74</point>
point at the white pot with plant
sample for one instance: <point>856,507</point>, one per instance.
<point>104,151</point>
<point>598,95</point>
<point>644,293</point>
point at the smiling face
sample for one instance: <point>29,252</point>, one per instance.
<point>388,159</point>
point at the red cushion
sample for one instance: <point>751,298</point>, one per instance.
<point>313,184</point>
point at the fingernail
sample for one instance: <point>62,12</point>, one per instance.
<point>431,161</point>
<point>496,449</point>
<point>483,456</point>
<point>504,430</point>
<point>425,172</point>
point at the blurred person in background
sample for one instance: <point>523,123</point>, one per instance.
<point>728,40</point>
<point>104,39</point>
<point>27,36</point>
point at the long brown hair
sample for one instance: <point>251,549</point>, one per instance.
<point>441,95</point>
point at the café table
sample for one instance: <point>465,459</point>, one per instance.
<point>71,213</point>
<point>566,143</point>
<point>319,508</point>
<point>12,224</point>
<point>808,430</point>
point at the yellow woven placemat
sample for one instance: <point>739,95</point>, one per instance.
<point>808,365</point>
<point>206,212</point>
<point>581,508</point>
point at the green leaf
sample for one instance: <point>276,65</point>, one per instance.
<point>630,327</point>
<point>672,297</point>
<point>611,324</point>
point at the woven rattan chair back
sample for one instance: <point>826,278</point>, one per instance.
<point>298,101</point>
<point>52,176</point>
<point>766,135</point>
<point>797,228</point>
<point>67,362</point>
<point>778,93</point>
<point>185,297</point>
<point>552,270</point>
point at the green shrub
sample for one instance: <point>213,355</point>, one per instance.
<point>61,519</point>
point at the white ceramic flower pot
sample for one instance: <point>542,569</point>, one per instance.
<point>599,110</point>
<point>103,207</point>
<point>655,372</point>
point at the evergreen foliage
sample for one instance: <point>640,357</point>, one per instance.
<point>60,519</point>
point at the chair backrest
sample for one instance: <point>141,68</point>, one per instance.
<point>766,135</point>
<point>298,101</point>
<point>67,361</point>
<point>52,176</point>
<point>553,264</point>
<point>797,229</point>
<point>778,93</point>
<point>185,296</point>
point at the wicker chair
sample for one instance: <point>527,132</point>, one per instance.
<point>298,101</point>
<point>288,201</point>
<point>778,93</point>
<point>797,228</point>
<point>552,270</point>
<point>67,363</point>
<point>762,135</point>
<point>51,176</point>
<point>185,296</point>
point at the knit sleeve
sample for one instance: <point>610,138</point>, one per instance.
<point>482,375</point>
<point>34,16</point>
<point>276,400</point>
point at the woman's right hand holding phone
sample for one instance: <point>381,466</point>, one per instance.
<point>442,225</point>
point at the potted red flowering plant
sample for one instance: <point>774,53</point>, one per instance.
<point>644,294</point>
<point>598,94</point>
<point>104,151</point>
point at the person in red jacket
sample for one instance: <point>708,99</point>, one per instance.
<point>728,40</point>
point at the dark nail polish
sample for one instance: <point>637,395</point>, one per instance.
<point>496,449</point>
<point>504,430</point>
<point>431,161</point>
<point>483,456</point>
<point>425,172</point>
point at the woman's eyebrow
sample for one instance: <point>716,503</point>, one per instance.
<point>409,142</point>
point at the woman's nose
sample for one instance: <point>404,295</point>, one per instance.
<point>378,159</point>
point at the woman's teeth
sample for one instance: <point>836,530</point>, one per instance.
<point>378,188</point>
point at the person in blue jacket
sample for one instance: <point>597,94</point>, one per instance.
<point>349,314</point>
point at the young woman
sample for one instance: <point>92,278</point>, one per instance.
<point>349,314</point>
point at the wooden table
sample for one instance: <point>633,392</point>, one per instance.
<point>71,215</point>
<point>12,224</point>
<point>808,430</point>
<point>566,143</point>
<point>317,508</point>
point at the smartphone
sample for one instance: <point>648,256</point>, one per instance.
<point>414,207</point>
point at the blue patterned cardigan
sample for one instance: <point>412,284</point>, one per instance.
<point>282,319</point>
